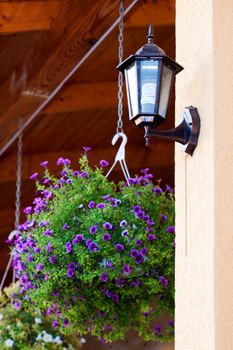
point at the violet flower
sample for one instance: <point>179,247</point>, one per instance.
<point>103,163</point>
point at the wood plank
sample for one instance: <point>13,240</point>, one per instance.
<point>160,13</point>
<point>61,49</point>
<point>79,97</point>
<point>28,16</point>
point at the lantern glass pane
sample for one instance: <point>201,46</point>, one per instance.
<point>149,80</point>
<point>132,88</point>
<point>165,90</point>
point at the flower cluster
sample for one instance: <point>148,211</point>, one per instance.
<point>20,329</point>
<point>98,258</point>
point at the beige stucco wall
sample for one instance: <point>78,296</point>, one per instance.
<point>204,191</point>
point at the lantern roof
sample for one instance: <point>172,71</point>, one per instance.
<point>150,50</point>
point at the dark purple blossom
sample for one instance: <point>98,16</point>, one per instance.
<point>71,266</point>
<point>17,305</point>
<point>52,259</point>
<point>48,232</point>
<point>100,206</point>
<point>91,204</point>
<point>145,171</point>
<point>68,247</point>
<point>65,227</point>
<point>139,242</point>
<point>37,250</point>
<point>107,226</point>
<point>144,251</point>
<point>93,229</point>
<point>168,188</point>
<point>120,282</point>
<point>123,223</point>
<point>124,233</point>
<point>137,208</point>
<point>33,176</point>
<point>27,210</point>
<point>103,163</point>
<point>157,330</point>
<point>163,281</point>
<point>63,161</point>
<point>157,190</point>
<point>55,324</point>
<point>134,253</point>
<point>66,322</point>
<point>70,273</point>
<point>84,174</point>
<point>44,164</point>
<point>39,267</point>
<point>110,265</point>
<point>75,173</point>
<point>78,238</point>
<point>86,149</point>
<point>93,247</point>
<point>171,323</point>
<point>43,223</point>
<point>119,247</point>
<point>163,217</point>
<point>151,237</point>
<point>49,247</point>
<point>30,258</point>
<point>115,297</point>
<point>139,259</point>
<point>171,229</point>
<point>106,237</point>
<point>126,269</point>
<point>104,277</point>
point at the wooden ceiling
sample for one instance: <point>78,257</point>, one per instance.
<point>40,43</point>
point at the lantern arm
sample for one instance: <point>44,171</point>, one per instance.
<point>187,133</point>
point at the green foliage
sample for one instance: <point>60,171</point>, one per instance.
<point>26,330</point>
<point>99,257</point>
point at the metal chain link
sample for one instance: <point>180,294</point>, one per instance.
<point>120,74</point>
<point>19,174</point>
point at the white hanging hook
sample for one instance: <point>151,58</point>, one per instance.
<point>120,156</point>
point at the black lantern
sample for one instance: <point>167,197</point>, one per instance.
<point>149,76</point>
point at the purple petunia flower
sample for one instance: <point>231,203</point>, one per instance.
<point>163,217</point>
<point>30,258</point>
<point>107,226</point>
<point>84,174</point>
<point>71,266</point>
<point>65,322</point>
<point>78,238</point>
<point>86,149</point>
<point>157,330</point>
<point>139,259</point>
<point>157,190</point>
<point>126,269</point>
<point>49,247</point>
<point>103,163</point>
<point>110,265</point>
<point>68,247</point>
<point>93,247</point>
<point>139,242</point>
<point>75,173</point>
<point>93,229</point>
<point>39,267</point>
<point>43,223</point>
<point>44,164</point>
<point>144,251</point>
<point>33,176</point>
<point>48,232</point>
<point>137,208</point>
<point>171,229</point>
<point>88,241</point>
<point>119,247</point>
<point>91,204</point>
<point>63,161</point>
<point>151,237</point>
<point>70,273</point>
<point>101,206</point>
<point>65,227</point>
<point>168,188</point>
<point>124,233</point>
<point>134,253</point>
<point>106,237</point>
<point>55,324</point>
<point>17,305</point>
<point>163,281</point>
<point>104,277</point>
<point>52,259</point>
<point>27,210</point>
<point>171,323</point>
<point>115,297</point>
<point>123,223</point>
<point>37,250</point>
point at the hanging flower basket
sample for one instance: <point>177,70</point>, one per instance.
<point>97,257</point>
<point>20,329</point>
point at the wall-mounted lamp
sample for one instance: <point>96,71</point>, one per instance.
<point>149,76</point>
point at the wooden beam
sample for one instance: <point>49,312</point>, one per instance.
<point>160,13</point>
<point>70,38</point>
<point>79,97</point>
<point>31,162</point>
<point>28,16</point>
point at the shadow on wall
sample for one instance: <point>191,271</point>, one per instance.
<point>133,342</point>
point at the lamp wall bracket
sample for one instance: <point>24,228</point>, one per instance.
<point>187,133</point>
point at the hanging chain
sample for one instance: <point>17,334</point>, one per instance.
<point>120,74</point>
<point>19,175</point>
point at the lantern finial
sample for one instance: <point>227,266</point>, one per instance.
<point>150,35</point>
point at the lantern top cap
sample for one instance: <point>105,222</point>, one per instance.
<point>150,48</point>
<point>150,35</point>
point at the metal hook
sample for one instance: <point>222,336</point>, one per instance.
<point>120,156</point>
